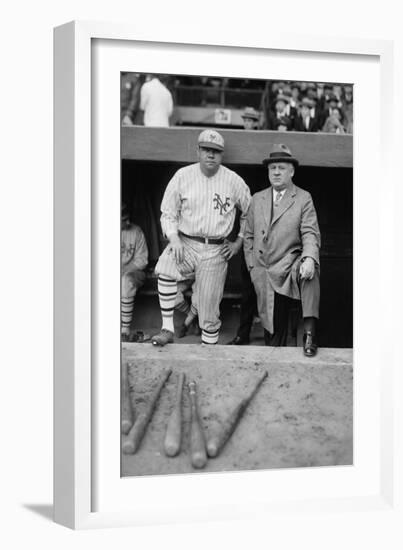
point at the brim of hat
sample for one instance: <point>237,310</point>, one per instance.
<point>252,117</point>
<point>291,160</point>
<point>210,145</point>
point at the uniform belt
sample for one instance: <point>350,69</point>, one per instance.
<point>204,240</point>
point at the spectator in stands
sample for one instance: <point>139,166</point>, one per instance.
<point>347,106</point>
<point>295,96</point>
<point>282,109</point>
<point>324,99</point>
<point>337,91</point>
<point>156,102</point>
<point>134,259</point>
<point>333,124</point>
<point>320,90</point>
<point>277,87</point>
<point>250,119</point>
<point>283,124</point>
<point>305,122</point>
<point>130,84</point>
<point>332,105</point>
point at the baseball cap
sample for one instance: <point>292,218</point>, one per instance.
<point>211,139</point>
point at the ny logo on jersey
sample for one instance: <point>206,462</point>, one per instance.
<point>219,204</point>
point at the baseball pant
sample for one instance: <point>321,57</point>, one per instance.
<point>209,268</point>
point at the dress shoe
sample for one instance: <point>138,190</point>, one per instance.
<point>238,341</point>
<point>309,344</point>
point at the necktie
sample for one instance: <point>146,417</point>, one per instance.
<point>278,198</point>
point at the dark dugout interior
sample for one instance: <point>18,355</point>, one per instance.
<point>143,185</point>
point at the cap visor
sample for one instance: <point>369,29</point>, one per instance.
<point>209,145</point>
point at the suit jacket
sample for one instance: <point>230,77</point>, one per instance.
<point>275,241</point>
<point>299,124</point>
<point>273,119</point>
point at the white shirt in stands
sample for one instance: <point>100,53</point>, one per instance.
<point>203,206</point>
<point>156,102</point>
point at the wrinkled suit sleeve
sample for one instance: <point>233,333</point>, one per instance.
<point>310,233</point>
<point>249,235</point>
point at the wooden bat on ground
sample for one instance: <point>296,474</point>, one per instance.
<point>217,441</point>
<point>132,441</point>
<point>197,441</point>
<point>126,408</point>
<point>173,435</point>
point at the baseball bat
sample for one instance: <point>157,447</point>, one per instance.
<point>172,443</point>
<point>133,439</point>
<point>217,441</point>
<point>126,410</point>
<point>197,441</point>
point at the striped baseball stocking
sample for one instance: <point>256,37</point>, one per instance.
<point>126,308</point>
<point>167,289</point>
<point>183,307</point>
<point>209,337</point>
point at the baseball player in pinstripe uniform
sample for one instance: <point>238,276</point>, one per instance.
<point>198,213</point>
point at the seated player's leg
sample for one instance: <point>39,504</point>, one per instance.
<point>131,282</point>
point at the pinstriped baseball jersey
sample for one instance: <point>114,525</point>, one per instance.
<point>204,206</point>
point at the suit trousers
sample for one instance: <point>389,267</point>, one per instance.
<point>310,298</point>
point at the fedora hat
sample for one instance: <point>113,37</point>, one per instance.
<point>250,112</point>
<point>280,153</point>
<point>282,97</point>
<point>308,102</point>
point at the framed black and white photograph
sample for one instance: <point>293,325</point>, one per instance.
<point>188,177</point>
<point>216,218</point>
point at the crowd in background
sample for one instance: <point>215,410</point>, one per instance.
<point>271,104</point>
<point>310,107</point>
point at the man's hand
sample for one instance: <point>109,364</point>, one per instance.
<point>307,269</point>
<point>229,249</point>
<point>176,246</point>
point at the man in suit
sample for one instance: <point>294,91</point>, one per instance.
<point>282,110</point>
<point>332,105</point>
<point>281,246</point>
<point>305,122</point>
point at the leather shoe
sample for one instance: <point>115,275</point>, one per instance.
<point>310,346</point>
<point>238,341</point>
